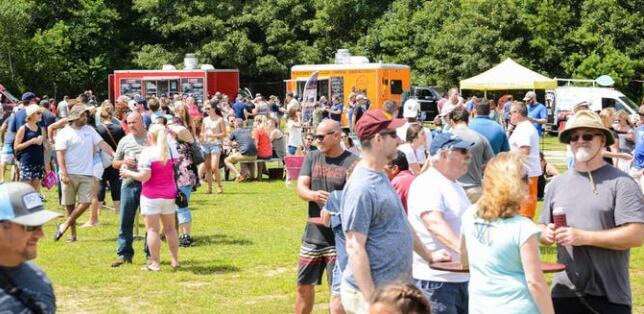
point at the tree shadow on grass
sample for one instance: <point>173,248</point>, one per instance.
<point>199,240</point>
<point>206,268</point>
<point>215,239</point>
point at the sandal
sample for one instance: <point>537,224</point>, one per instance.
<point>58,233</point>
<point>148,268</point>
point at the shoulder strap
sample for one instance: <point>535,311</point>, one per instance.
<point>110,135</point>
<point>174,170</point>
<point>8,286</point>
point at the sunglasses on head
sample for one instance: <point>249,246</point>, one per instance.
<point>587,137</point>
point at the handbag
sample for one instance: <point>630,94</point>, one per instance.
<point>197,154</point>
<point>106,159</point>
<point>181,200</point>
<point>50,180</point>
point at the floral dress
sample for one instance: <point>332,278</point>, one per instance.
<point>186,169</point>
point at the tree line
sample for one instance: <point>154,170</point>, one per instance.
<point>66,46</point>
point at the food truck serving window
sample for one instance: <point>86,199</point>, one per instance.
<point>194,87</point>
<point>130,87</point>
<point>396,87</point>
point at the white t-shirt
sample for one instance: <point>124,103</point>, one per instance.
<point>402,134</point>
<point>78,145</point>
<point>292,104</point>
<point>525,134</point>
<point>294,134</point>
<point>431,191</point>
<point>63,109</point>
<point>414,156</point>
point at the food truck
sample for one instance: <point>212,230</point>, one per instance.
<point>353,74</point>
<point>197,82</point>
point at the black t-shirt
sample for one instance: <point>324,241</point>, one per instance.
<point>33,283</point>
<point>358,112</point>
<point>114,129</point>
<point>327,174</point>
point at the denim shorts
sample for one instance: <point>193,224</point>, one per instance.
<point>210,149</point>
<point>183,214</point>
<point>6,156</point>
<point>445,297</point>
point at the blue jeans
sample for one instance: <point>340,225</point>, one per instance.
<point>130,198</point>
<point>183,214</point>
<point>445,297</point>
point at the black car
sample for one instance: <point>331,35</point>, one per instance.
<point>427,97</point>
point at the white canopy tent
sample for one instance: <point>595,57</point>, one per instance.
<point>508,75</point>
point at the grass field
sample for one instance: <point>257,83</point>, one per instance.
<point>244,260</point>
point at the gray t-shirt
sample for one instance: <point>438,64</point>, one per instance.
<point>371,207</point>
<point>593,270</point>
<point>245,141</point>
<point>481,153</point>
<point>130,146</point>
<point>33,284</point>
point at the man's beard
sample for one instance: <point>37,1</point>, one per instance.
<point>583,154</point>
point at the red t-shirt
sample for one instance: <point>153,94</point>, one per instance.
<point>263,144</point>
<point>401,183</point>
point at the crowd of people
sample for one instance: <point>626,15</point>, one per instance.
<point>413,196</point>
<point>386,197</point>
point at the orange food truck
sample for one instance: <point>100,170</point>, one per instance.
<point>198,82</point>
<point>354,74</point>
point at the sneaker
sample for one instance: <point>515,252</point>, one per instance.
<point>185,240</point>
<point>120,261</point>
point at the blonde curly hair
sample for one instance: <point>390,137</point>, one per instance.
<point>504,187</point>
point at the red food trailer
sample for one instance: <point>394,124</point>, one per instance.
<point>196,82</point>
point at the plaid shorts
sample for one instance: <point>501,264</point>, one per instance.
<point>314,258</point>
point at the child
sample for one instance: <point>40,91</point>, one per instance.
<point>397,298</point>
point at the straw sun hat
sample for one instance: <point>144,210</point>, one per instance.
<point>586,119</point>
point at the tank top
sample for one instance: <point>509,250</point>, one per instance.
<point>210,128</point>
<point>279,147</point>
<point>33,154</point>
<point>263,109</point>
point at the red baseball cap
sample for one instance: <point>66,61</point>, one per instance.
<point>373,121</point>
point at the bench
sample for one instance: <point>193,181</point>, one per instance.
<point>260,164</point>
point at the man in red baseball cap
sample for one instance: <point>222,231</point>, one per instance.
<point>379,240</point>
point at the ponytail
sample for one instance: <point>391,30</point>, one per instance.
<point>160,136</point>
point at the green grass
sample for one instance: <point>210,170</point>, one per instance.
<point>244,260</point>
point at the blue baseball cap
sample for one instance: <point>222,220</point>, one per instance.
<point>28,96</point>
<point>447,140</point>
<point>21,204</point>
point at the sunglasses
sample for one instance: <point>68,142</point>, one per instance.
<point>320,137</point>
<point>26,228</point>
<point>587,137</point>
<point>32,228</point>
<point>390,132</point>
<point>463,151</point>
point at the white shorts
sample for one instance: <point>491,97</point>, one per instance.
<point>157,206</point>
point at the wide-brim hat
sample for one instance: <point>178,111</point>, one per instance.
<point>586,119</point>
<point>76,112</point>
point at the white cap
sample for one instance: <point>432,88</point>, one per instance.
<point>411,108</point>
<point>31,109</point>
